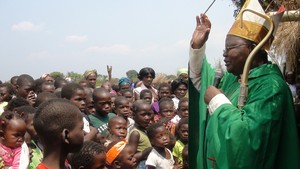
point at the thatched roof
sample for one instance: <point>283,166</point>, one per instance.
<point>287,40</point>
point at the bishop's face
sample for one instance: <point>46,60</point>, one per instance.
<point>235,54</point>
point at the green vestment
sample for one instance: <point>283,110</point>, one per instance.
<point>263,135</point>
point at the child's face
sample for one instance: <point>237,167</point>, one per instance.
<point>13,136</point>
<point>123,109</point>
<point>89,107</point>
<point>164,92</point>
<point>103,104</point>
<point>129,96</point>
<point>183,109</point>
<point>4,95</point>
<point>126,158</point>
<point>78,98</point>
<point>30,128</point>
<point>143,116</point>
<point>161,138</point>
<point>183,133</point>
<point>75,136</point>
<point>147,80</point>
<point>180,91</point>
<point>99,161</point>
<point>124,87</point>
<point>25,89</point>
<point>147,97</point>
<point>118,128</point>
<point>167,110</point>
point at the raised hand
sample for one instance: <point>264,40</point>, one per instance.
<point>201,32</point>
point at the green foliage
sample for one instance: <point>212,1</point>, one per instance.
<point>76,77</point>
<point>132,75</point>
<point>55,75</point>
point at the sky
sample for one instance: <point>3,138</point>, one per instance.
<point>43,36</point>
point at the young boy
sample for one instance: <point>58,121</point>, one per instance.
<point>146,95</point>
<point>182,139</point>
<point>59,124</point>
<point>122,108</point>
<point>167,111</point>
<point>164,90</point>
<point>182,110</point>
<point>102,103</point>
<point>138,138</point>
<point>25,88</point>
<point>117,128</point>
<point>75,93</point>
<point>6,94</point>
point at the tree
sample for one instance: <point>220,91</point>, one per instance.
<point>56,75</point>
<point>76,77</point>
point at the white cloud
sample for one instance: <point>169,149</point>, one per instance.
<point>114,49</point>
<point>26,26</point>
<point>75,38</point>
<point>184,43</point>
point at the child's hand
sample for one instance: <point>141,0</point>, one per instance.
<point>178,166</point>
<point>31,98</point>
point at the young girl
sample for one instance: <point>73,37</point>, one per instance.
<point>160,157</point>
<point>182,135</point>
<point>142,115</point>
<point>13,149</point>
<point>92,155</point>
<point>167,113</point>
<point>120,155</point>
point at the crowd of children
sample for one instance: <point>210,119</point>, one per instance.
<point>52,123</point>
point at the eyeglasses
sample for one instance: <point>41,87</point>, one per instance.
<point>227,49</point>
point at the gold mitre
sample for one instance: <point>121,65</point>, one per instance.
<point>253,27</point>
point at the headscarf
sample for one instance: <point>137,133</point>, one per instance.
<point>89,72</point>
<point>181,71</point>
<point>124,80</point>
<point>114,151</point>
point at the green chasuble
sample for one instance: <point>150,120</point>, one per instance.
<point>263,135</point>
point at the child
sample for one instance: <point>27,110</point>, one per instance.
<point>183,135</point>
<point>6,94</point>
<point>160,157</point>
<point>89,105</point>
<point>117,127</point>
<point>128,94</point>
<point>164,90</point>
<point>75,93</point>
<point>120,155</point>
<point>25,88</point>
<point>102,103</point>
<point>138,138</point>
<point>44,96</point>
<point>182,110</point>
<point>27,113</point>
<point>13,149</point>
<point>92,155</point>
<point>167,111</point>
<point>59,124</point>
<point>185,157</point>
<point>123,110</point>
<point>179,89</point>
<point>124,84</point>
<point>146,95</point>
